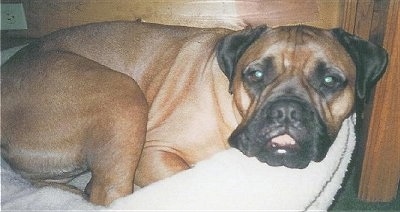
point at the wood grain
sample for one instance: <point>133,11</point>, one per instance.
<point>348,19</point>
<point>381,166</point>
<point>364,18</point>
<point>47,16</point>
<point>379,137</point>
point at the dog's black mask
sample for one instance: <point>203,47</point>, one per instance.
<point>286,131</point>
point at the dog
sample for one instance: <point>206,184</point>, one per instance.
<point>137,102</point>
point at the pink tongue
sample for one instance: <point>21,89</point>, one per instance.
<point>283,140</point>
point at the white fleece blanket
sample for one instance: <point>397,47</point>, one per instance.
<point>227,181</point>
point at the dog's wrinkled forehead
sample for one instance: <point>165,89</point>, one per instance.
<point>296,45</point>
<point>297,49</point>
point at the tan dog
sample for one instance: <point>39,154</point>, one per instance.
<point>67,109</point>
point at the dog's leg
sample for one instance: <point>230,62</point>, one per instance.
<point>113,162</point>
<point>63,114</point>
<point>157,164</point>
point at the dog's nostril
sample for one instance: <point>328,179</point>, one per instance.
<point>286,111</point>
<point>278,114</point>
<point>294,115</point>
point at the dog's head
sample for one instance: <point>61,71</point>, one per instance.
<point>294,86</point>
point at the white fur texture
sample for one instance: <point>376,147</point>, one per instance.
<point>227,181</point>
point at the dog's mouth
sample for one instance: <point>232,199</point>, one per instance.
<point>285,150</point>
<point>276,149</point>
<point>282,144</point>
<point>285,132</point>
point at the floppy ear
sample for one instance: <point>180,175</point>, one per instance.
<point>232,47</point>
<point>370,61</point>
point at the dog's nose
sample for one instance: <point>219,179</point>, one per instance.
<point>286,112</point>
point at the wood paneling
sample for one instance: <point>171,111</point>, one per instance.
<point>381,166</point>
<point>348,18</point>
<point>44,16</point>
<point>379,136</point>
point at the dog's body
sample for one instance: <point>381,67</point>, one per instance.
<point>66,109</point>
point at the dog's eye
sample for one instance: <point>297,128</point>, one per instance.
<point>332,81</point>
<point>256,75</point>
<point>328,80</point>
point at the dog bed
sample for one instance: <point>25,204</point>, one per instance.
<point>227,181</point>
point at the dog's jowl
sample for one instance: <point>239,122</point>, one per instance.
<point>135,103</point>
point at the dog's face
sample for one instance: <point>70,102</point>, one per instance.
<point>293,87</point>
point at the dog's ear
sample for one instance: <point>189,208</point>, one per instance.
<point>370,61</point>
<point>231,48</point>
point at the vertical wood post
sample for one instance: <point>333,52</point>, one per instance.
<point>381,165</point>
<point>378,21</point>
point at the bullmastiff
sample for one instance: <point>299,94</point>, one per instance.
<point>136,102</point>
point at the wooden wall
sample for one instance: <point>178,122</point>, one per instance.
<point>379,21</point>
<point>44,16</point>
